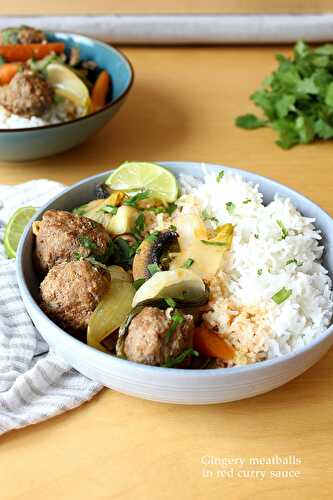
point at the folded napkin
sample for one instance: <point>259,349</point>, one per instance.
<point>35,383</point>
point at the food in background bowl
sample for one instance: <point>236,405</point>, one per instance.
<point>42,84</point>
<point>184,273</point>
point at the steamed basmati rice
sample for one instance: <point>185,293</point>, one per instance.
<point>274,247</point>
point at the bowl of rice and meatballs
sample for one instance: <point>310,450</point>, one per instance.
<point>271,343</point>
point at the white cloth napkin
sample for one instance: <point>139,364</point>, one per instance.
<point>183,29</point>
<point>35,383</point>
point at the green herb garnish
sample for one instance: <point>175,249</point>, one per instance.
<point>170,302</point>
<point>281,295</point>
<point>247,201</point>
<point>171,362</point>
<point>177,320</point>
<point>259,272</point>
<point>109,209</point>
<point>219,176</point>
<point>206,216</point>
<point>123,252</point>
<point>80,210</point>
<point>284,230</point>
<point>132,202</point>
<point>231,207</point>
<point>294,261</point>
<point>171,208</point>
<point>77,256</point>
<point>214,243</point>
<point>87,242</point>
<point>297,98</point>
<point>139,282</point>
<point>188,263</point>
<point>152,237</point>
<point>153,268</point>
<point>139,225</point>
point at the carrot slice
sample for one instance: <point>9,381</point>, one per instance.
<point>100,90</point>
<point>211,344</point>
<point>7,71</point>
<point>18,52</point>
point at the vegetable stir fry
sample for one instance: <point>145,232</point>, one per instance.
<point>125,274</point>
<point>39,78</point>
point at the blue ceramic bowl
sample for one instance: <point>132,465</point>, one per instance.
<point>38,142</point>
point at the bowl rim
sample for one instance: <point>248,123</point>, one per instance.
<point>109,105</point>
<point>130,366</point>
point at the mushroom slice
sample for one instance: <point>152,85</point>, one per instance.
<point>151,251</point>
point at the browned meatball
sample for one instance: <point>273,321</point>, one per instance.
<point>71,291</point>
<point>62,237</point>
<point>26,95</point>
<point>28,35</point>
<point>23,35</point>
<point>146,342</point>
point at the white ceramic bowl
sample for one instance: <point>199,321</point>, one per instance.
<point>163,384</point>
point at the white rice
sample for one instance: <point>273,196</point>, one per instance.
<point>60,112</point>
<point>256,268</point>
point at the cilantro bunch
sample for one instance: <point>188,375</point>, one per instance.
<point>297,98</point>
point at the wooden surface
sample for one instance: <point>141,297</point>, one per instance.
<point>182,107</point>
<point>21,7</point>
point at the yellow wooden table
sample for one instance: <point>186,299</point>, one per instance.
<point>182,107</point>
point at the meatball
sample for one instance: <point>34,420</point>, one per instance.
<point>146,339</point>
<point>71,291</point>
<point>23,35</point>
<point>62,237</point>
<point>28,35</point>
<point>26,95</point>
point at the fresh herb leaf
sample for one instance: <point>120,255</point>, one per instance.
<point>153,268</point>
<point>219,176</point>
<point>256,236</point>
<point>152,237</point>
<point>109,209</point>
<point>294,261</point>
<point>231,207</point>
<point>132,202</point>
<point>206,216</point>
<point>281,295</point>
<point>245,202</point>
<point>87,242</point>
<point>139,282</point>
<point>80,210</point>
<point>123,252</point>
<point>171,362</point>
<point>177,320</point>
<point>170,302</point>
<point>188,263</point>
<point>139,225</point>
<point>171,208</point>
<point>284,230</point>
<point>259,272</point>
<point>77,256</point>
<point>214,243</point>
<point>250,121</point>
<point>297,98</point>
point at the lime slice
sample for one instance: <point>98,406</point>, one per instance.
<point>15,228</point>
<point>67,84</point>
<point>137,176</point>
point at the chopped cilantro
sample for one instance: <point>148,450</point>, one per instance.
<point>170,302</point>
<point>152,237</point>
<point>248,200</point>
<point>123,252</point>
<point>132,202</point>
<point>80,210</point>
<point>171,362</point>
<point>231,207</point>
<point>177,319</point>
<point>294,261</point>
<point>87,242</point>
<point>284,230</point>
<point>77,256</point>
<point>109,209</point>
<point>139,282</point>
<point>214,243</point>
<point>188,263</point>
<point>139,225</point>
<point>297,98</point>
<point>281,295</point>
<point>219,176</point>
<point>153,268</point>
<point>259,272</point>
<point>171,208</point>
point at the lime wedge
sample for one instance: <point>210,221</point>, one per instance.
<point>136,176</point>
<point>67,84</point>
<point>15,228</point>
